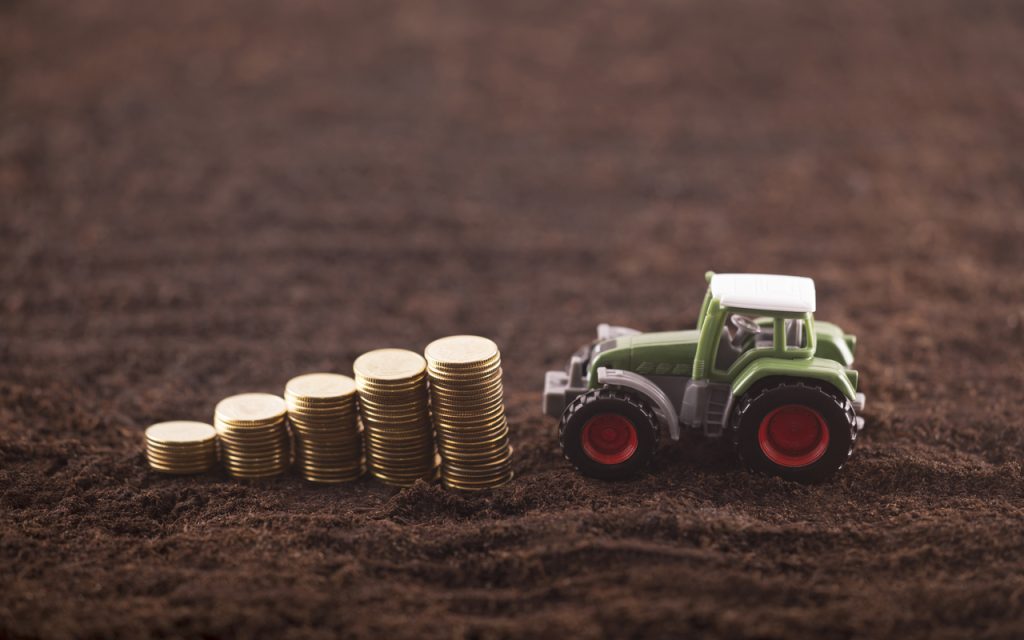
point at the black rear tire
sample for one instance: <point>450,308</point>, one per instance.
<point>795,429</point>
<point>609,434</point>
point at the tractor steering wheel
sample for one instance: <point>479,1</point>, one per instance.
<point>745,327</point>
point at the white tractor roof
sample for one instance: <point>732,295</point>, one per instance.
<point>760,291</point>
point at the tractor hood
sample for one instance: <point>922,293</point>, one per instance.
<point>668,353</point>
<point>833,344</point>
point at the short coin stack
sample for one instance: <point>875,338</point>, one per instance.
<point>322,411</point>
<point>468,412</point>
<point>181,447</point>
<point>253,435</point>
<point>394,406</point>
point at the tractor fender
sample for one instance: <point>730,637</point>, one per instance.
<point>661,405</point>
<point>822,369</point>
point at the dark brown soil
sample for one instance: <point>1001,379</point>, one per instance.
<point>199,199</point>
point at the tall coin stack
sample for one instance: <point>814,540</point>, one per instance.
<point>322,411</point>
<point>181,447</point>
<point>468,409</point>
<point>394,407</point>
<point>253,435</point>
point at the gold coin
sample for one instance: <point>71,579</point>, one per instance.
<point>465,392</point>
<point>257,459</point>
<point>467,398</point>
<point>462,485</point>
<point>375,420</point>
<point>251,409</point>
<point>180,432</point>
<point>479,460</point>
<point>255,449</point>
<point>396,382</point>
<point>184,446</point>
<point>393,464</point>
<point>454,410</point>
<point>183,471</point>
<point>496,477</point>
<point>334,457</point>
<point>182,455</point>
<point>403,480</point>
<point>495,438</point>
<point>478,374</point>
<point>277,466</point>
<point>470,422</point>
<point>239,470</point>
<point>182,452</point>
<point>346,424</point>
<point>384,365</point>
<point>278,441</point>
<point>457,433</point>
<point>470,471</point>
<point>396,424</point>
<point>315,432</point>
<point>321,387</point>
<point>496,447</point>
<point>396,438</point>
<point>330,478</point>
<point>172,456</point>
<point>318,403</point>
<point>396,458</point>
<point>255,475</point>
<point>296,407</point>
<point>332,466</point>
<point>337,468</point>
<point>329,447</point>
<point>461,350</point>
<point>249,432</point>
<point>403,408</point>
<point>329,461</point>
<point>348,421</point>
<point>339,474</point>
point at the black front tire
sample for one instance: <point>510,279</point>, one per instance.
<point>628,422</point>
<point>754,419</point>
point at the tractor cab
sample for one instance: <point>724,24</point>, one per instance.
<point>750,316</point>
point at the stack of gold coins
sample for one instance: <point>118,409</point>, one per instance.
<point>394,406</point>
<point>468,412</point>
<point>253,436</point>
<point>322,411</point>
<point>181,447</point>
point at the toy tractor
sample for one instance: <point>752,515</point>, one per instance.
<point>757,369</point>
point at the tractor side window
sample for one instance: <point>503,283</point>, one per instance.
<point>796,334</point>
<point>741,333</point>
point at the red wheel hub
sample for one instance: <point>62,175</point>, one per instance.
<point>609,439</point>
<point>793,436</point>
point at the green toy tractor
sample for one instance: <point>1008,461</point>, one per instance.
<point>757,369</point>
